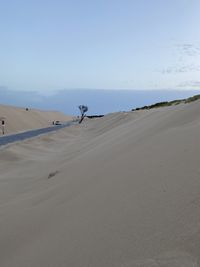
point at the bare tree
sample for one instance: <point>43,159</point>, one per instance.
<point>83,110</point>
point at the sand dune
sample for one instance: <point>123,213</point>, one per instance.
<point>121,191</point>
<point>18,119</point>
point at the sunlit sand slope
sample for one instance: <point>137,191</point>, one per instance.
<point>123,190</point>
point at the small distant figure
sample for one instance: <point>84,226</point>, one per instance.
<point>83,110</point>
<point>27,109</point>
<point>3,126</point>
<point>57,123</point>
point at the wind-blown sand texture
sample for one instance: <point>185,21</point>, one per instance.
<point>121,191</point>
<point>18,119</point>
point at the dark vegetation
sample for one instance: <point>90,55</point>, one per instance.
<point>94,116</point>
<point>169,103</point>
<point>193,98</point>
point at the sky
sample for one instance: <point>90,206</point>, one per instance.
<point>51,45</point>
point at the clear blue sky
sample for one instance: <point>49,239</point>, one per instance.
<point>107,44</point>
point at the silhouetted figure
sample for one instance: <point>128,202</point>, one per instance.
<point>3,126</point>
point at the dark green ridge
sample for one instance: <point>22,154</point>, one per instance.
<point>169,103</point>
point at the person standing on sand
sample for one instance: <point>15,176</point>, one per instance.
<point>3,127</point>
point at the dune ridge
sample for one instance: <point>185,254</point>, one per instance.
<point>118,191</point>
<point>19,119</point>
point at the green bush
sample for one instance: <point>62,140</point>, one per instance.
<point>170,103</point>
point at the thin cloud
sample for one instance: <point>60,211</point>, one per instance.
<point>184,51</point>
<point>181,69</point>
<point>189,49</point>
<point>190,84</point>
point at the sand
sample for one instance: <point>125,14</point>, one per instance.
<point>18,119</point>
<point>123,190</point>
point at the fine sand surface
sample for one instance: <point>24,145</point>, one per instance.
<point>18,119</point>
<point>121,191</point>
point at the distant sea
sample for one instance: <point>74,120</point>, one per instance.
<point>98,101</point>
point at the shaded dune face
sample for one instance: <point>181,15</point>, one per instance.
<point>122,191</point>
<point>21,119</point>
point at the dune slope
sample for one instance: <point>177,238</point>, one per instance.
<point>122,190</point>
<point>20,119</point>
